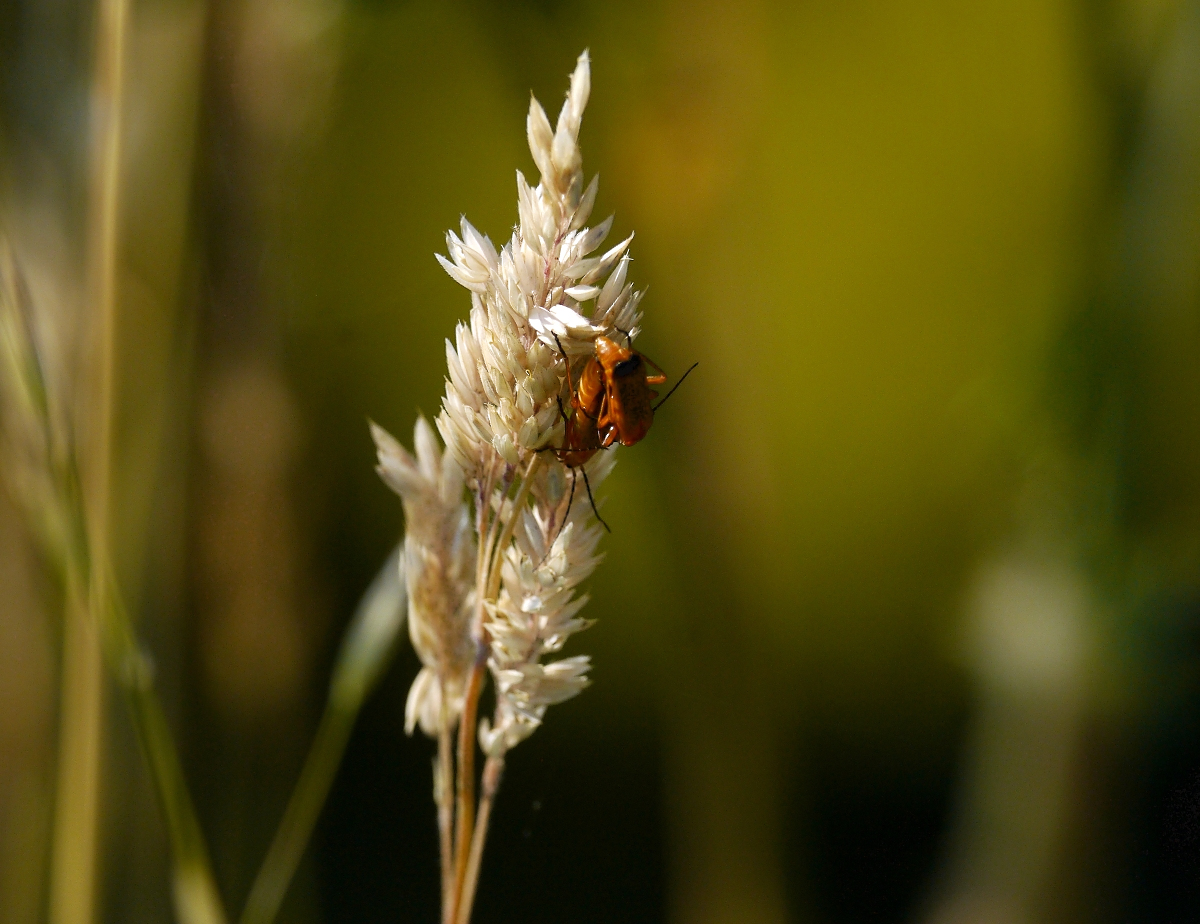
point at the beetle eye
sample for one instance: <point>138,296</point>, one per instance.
<point>627,367</point>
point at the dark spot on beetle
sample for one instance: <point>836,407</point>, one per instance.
<point>627,366</point>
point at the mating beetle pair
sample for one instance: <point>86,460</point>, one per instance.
<point>612,401</point>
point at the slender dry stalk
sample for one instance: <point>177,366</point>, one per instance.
<point>443,797</point>
<point>489,786</point>
<point>466,785</point>
<point>73,861</point>
<point>43,471</point>
<point>73,858</point>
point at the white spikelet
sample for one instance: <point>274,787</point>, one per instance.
<point>439,565</point>
<point>529,300</point>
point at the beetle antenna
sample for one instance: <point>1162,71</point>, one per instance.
<point>628,339</point>
<point>677,384</point>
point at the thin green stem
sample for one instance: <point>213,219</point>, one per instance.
<point>484,523</point>
<point>518,506</point>
<point>488,545</point>
<point>300,817</point>
<point>197,900</point>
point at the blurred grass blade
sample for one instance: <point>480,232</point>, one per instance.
<point>370,639</point>
<point>367,649</point>
<point>69,547</point>
<point>22,353</point>
<point>196,898</point>
<point>195,891</point>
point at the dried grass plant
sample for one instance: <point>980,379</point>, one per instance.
<point>493,587</point>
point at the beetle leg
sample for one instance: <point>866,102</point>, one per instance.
<point>570,498</point>
<point>560,347</point>
<point>604,418</point>
<point>587,484</point>
<point>567,360</point>
<point>607,424</point>
<point>655,379</point>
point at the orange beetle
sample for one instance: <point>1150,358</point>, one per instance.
<point>612,401</point>
<point>627,408</point>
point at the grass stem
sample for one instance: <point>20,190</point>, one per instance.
<point>443,788</point>
<point>489,785</point>
<point>74,857</point>
<point>466,781</point>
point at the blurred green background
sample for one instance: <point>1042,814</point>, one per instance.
<point>900,615</point>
